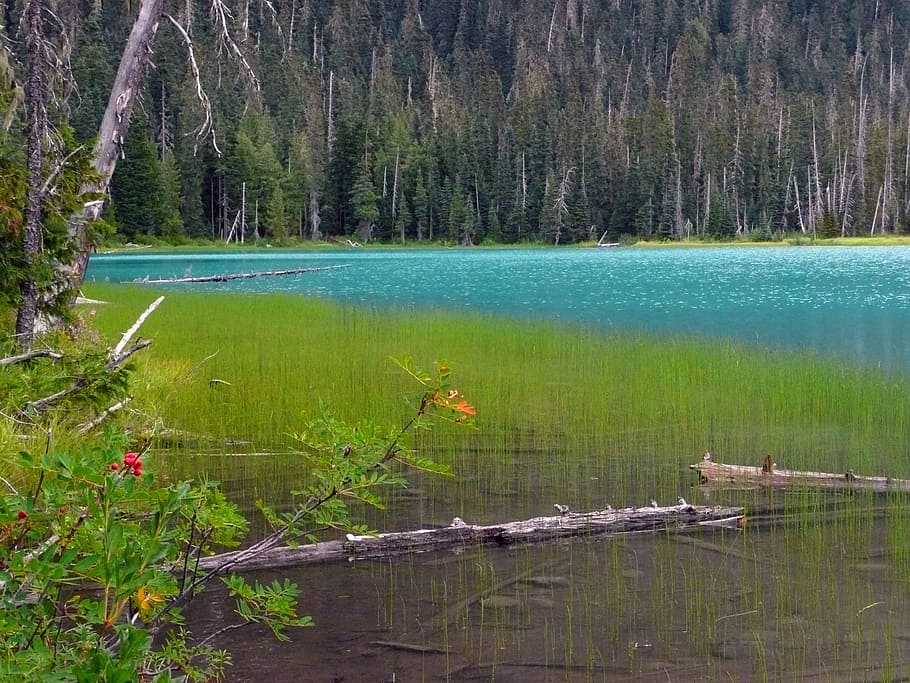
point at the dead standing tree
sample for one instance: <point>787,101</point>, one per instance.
<point>112,132</point>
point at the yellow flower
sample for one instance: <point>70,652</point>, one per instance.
<point>146,600</point>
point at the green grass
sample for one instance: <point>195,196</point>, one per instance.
<point>575,404</point>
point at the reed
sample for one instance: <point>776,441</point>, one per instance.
<point>247,367</point>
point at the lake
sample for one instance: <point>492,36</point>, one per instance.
<point>819,592</point>
<point>853,303</point>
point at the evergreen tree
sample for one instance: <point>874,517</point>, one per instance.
<point>365,201</point>
<point>403,220</point>
<point>169,218</point>
<point>276,221</point>
<point>136,208</point>
<point>421,207</point>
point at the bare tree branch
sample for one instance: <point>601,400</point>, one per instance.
<point>124,340</point>
<point>34,353</point>
<point>106,413</point>
<point>206,128</point>
<point>221,14</point>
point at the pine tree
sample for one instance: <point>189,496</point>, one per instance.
<point>135,206</point>
<point>276,219</point>
<point>421,207</point>
<point>365,201</point>
<point>168,199</point>
<point>403,220</point>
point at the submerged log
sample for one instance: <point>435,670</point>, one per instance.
<point>768,475</point>
<point>224,277</point>
<point>460,534</point>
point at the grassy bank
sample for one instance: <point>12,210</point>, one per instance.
<point>788,240</point>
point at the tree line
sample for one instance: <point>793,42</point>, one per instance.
<point>503,120</point>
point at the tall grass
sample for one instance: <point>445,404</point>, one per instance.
<point>537,385</point>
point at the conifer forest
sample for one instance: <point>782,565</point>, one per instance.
<point>471,121</point>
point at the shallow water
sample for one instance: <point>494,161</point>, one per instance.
<point>823,596</point>
<point>736,605</point>
<point>853,303</point>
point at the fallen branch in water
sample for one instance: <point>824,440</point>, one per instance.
<point>224,277</point>
<point>767,475</point>
<point>459,534</point>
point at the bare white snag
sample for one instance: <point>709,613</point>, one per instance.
<point>125,339</point>
<point>552,24</point>
<point>206,128</point>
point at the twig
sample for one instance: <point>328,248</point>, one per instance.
<point>91,424</point>
<point>43,404</point>
<point>124,340</point>
<point>217,633</point>
<point>22,357</point>
<point>413,647</point>
<point>10,486</point>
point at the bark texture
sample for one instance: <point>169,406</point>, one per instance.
<point>36,129</point>
<point>459,535</point>
<point>768,475</point>
<point>111,134</point>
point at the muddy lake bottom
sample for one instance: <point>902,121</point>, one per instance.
<point>818,595</point>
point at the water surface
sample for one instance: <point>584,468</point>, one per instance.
<point>853,303</point>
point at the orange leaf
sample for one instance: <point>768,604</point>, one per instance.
<point>465,407</point>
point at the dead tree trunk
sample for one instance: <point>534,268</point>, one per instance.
<point>768,476</point>
<point>459,535</point>
<point>111,134</point>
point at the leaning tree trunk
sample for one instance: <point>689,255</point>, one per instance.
<point>111,134</point>
<point>36,128</point>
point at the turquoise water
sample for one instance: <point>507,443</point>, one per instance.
<point>853,303</point>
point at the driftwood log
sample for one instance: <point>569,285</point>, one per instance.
<point>224,277</point>
<point>768,475</point>
<point>460,534</point>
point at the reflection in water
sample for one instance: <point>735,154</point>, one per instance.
<point>822,597</point>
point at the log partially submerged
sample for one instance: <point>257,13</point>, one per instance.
<point>768,475</point>
<point>224,277</point>
<point>459,534</point>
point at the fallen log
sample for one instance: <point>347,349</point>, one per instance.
<point>224,277</point>
<point>460,534</point>
<point>768,475</point>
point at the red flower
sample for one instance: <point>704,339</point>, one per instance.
<point>115,466</point>
<point>130,459</point>
<point>22,514</point>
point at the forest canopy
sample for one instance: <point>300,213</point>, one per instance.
<point>500,120</point>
